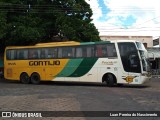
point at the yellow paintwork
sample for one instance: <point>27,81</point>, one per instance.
<point>14,68</point>
<point>58,43</point>
<point>51,44</point>
<point>46,72</point>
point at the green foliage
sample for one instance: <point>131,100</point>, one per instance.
<point>26,22</point>
<point>3,25</point>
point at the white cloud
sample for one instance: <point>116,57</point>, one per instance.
<point>97,13</point>
<point>146,14</point>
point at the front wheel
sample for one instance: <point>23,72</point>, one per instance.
<point>110,80</point>
<point>35,78</point>
<point>24,78</point>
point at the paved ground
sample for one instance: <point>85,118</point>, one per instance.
<point>60,96</point>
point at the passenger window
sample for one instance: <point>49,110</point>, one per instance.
<point>51,52</point>
<point>43,53</point>
<point>88,51</point>
<point>79,52</point>
<point>85,51</point>
<point>66,52</point>
<point>11,54</point>
<point>34,53</point>
<point>101,51</point>
<point>22,54</point>
<point>111,50</point>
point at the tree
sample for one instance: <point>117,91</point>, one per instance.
<point>3,31</point>
<point>33,21</point>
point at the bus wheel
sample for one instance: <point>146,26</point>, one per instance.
<point>119,85</point>
<point>110,80</point>
<point>35,78</point>
<point>24,78</point>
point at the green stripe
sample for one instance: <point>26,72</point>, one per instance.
<point>92,43</point>
<point>87,43</point>
<point>84,67</point>
<point>71,66</point>
<point>102,42</point>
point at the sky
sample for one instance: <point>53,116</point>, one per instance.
<point>126,17</point>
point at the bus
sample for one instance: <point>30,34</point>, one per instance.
<point>113,62</point>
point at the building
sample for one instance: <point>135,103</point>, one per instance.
<point>147,40</point>
<point>154,57</point>
<point>156,42</point>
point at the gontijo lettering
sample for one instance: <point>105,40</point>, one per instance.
<point>44,63</point>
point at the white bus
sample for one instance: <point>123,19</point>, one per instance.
<point>113,62</point>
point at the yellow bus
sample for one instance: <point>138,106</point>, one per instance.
<point>113,62</point>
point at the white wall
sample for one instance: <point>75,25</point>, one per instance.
<point>143,39</point>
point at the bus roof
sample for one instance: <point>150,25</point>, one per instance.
<point>67,43</point>
<point>124,40</point>
<point>58,43</point>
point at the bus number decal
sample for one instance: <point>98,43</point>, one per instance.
<point>44,63</point>
<point>11,63</point>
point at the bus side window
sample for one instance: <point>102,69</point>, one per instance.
<point>43,54</point>
<point>111,50</point>
<point>52,52</point>
<point>78,52</point>
<point>33,54</point>
<point>11,54</point>
<point>25,54</point>
<point>98,51</point>
<point>19,54</point>
<point>59,52</point>
<point>89,51</point>
<point>68,52</point>
<point>22,54</point>
<point>50,55</point>
<point>8,56</point>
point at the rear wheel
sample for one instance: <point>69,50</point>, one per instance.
<point>24,78</point>
<point>35,78</point>
<point>110,80</point>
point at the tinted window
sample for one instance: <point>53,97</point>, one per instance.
<point>85,51</point>
<point>111,50</point>
<point>106,50</point>
<point>34,54</point>
<point>48,53</point>
<point>22,54</point>
<point>88,51</point>
<point>11,54</point>
<point>66,52</point>
<point>79,52</point>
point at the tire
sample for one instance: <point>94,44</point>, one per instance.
<point>110,80</point>
<point>35,78</point>
<point>119,85</point>
<point>24,78</point>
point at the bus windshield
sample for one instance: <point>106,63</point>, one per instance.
<point>129,57</point>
